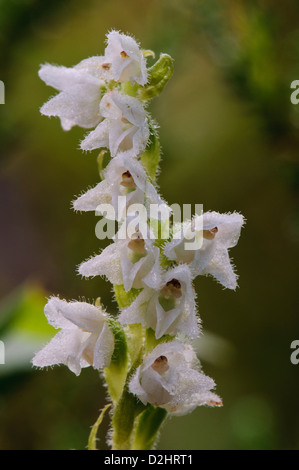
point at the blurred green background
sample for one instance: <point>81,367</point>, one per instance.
<point>230,141</point>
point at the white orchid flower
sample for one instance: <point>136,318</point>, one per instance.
<point>170,378</point>
<point>126,59</point>
<point>131,263</point>
<point>218,233</point>
<point>124,129</point>
<point>125,183</point>
<point>80,87</point>
<point>169,308</point>
<point>85,338</point>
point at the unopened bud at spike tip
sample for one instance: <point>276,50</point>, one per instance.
<point>158,76</point>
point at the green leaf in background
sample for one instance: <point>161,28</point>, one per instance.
<point>23,327</point>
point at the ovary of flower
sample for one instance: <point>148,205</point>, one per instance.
<point>85,338</point>
<point>126,58</point>
<point>130,263</point>
<point>169,308</point>
<point>170,378</point>
<point>78,103</point>
<point>219,233</point>
<point>124,128</point>
<point>125,183</point>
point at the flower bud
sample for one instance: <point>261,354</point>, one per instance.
<point>158,76</point>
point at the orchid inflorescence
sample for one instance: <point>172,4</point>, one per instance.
<point>150,369</point>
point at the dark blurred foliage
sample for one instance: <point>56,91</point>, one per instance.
<point>230,137</point>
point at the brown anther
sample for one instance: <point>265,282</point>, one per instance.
<point>127,180</point>
<point>108,104</point>
<point>172,289</point>
<point>160,365</point>
<point>106,66</point>
<point>137,244</point>
<point>210,234</point>
<point>124,54</point>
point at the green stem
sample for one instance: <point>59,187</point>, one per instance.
<point>125,413</point>
<point>148,427</point>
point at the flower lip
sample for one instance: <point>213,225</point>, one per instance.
<point>172,289</point>
<point>210,234</point>
<point>128,180</point>
<point>160,365</point>
<point>137,243</point>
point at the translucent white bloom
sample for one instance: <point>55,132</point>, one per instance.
<point>130,262</point>
<point>170,378</point>
<point>126,58</point>
<point>78,103</point>
<point>167,309</point>
<point>85,338</point>
<point>124,129</point>
<point>124,176</point>
<point>219,233</point>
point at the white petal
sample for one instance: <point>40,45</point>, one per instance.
<point>104,348</point>
<point>97,138</point>
<point>132,67</point>
<point>63,78</point>
<point>183,317</point>
<point>145,270</point>
<point>84,315</point>
<point>180,387</point>
<point>76,109</point>
<point>221,268</point>
<point>136,388</point>
<point>94,66</point>
<point>89,201</point>
<point>65,348</point>
<point>154,277</point>
<point>106,264</point>
<point>136,312</point>
<point>130,107</point>
<point>54,311</point>
<point>229,226</point>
